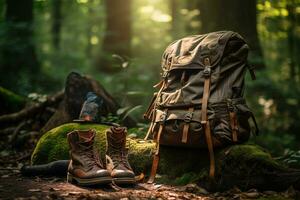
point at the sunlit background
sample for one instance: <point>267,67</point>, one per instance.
<point>120,43</point>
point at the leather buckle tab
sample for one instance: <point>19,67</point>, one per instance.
<point>188,117</point>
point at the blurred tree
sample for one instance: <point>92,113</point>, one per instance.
<point>236,15</point>
<point>1,10</point>
<point>117,39</point>
<point>56,22</point>
<point>292,17</point>
<point>18,61</point>
<point>175,18</point>
<point>91,13</point>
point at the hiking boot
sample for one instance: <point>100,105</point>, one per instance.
<point>85,167</point>
<point>116,156</point>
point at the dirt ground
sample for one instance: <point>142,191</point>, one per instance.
<point>14,186</point>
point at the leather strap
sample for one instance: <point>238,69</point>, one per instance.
<point>234,125</point>
<point>152,108</point>
<point>149,111</point>
<point>149,130</point>
<point>255,123</point>
<point>186,128</point>
<point>155,156</point>
<point>204,120</point>
<point>182,78</point>
<point>210,150</point>
<point>252,72</point>
<point>206,90</point>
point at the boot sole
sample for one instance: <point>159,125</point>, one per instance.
<point>88,182</point>
<point>124,180</point>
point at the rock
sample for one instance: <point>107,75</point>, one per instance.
<point>251,195</point>
<point>194,188</point>
<point>245,166</point>
<point>53,146</point>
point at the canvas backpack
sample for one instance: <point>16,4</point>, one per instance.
<point>200,101</point>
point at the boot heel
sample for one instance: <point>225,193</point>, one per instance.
<point>69,178</point>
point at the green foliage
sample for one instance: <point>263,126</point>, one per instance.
<point>291,158</point>
<point>274,96</point>
<point>111,118</point>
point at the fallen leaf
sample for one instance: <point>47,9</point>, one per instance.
<point>34,190</point>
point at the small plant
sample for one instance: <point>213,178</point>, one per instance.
<point>290,157</point>
<point>40,98</point>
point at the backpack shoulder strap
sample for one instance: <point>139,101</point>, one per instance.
<point>204,118</point>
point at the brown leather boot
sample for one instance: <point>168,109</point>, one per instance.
<point>85,167</point>
<point>116,156</point>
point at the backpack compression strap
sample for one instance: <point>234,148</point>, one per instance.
<point>204,118</point>
<point>186,126</point>
<point>156,154</point>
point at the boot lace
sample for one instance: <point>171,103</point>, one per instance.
<point>118,153</point>
<point>90,156</point>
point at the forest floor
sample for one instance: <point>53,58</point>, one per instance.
<point>15,186</point>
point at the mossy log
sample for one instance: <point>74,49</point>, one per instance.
<point>246,166</point>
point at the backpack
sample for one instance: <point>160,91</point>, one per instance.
<point>200,101</point>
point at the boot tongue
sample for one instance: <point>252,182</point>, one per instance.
<point>117,139</point>
<point>118,132</point>
<point>86,136</point>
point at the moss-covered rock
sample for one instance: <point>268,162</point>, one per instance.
<point>53,146</point>
<point>245,165</point>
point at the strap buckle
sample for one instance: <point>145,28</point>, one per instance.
<point>230,105</point>
<point>207,71</point>
<point>165,74</point>
<point>163,117</point>
<point>188,117</point>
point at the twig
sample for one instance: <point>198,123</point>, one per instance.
<point>9,168</point>
<point>7,131</point>
<point>24,157</point>
<point>17,130</point>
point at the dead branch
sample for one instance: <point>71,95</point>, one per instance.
<point>7,131</point>
<point>16,131</point>
<point>32,109</point>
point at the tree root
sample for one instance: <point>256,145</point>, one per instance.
<point>31,110</point>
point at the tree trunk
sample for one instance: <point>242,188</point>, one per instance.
<point>56,22</point>
<point>90,13</point>
<point>117,37</point>
<point>235,15</point>
<point>76,88</point>
<point>175,17</point>
<point>291,7</point>
<point>18,61</point>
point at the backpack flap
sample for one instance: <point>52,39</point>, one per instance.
<point>189,52</point>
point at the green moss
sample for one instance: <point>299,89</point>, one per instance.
<point>53,146</point>
<point>247,158</point>
<point>187,178</point>
<point>274,197</point>
<point>12,102</point>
